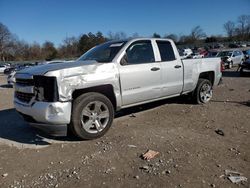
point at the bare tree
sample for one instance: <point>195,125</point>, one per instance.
<point>229,27</point>
<point>197,33</point>
<point>117,35</point>
<point>49,51</point>
<point>5,39</point>
<point>135,35</point>
<point>244,25</point>
<point>156,35</point>
<point>35,51</point>
<point>172,36</point>
<point>69,48</point>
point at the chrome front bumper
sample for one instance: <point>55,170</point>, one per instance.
<point>51,117</point>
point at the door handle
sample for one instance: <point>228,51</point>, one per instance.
<point>155,69</point>
<point>177,66</point>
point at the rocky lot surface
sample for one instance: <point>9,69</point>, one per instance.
<point>198,144</point>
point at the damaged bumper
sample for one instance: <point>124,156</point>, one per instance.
<point>51,117</point>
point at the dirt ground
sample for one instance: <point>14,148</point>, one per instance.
<point>191,155</point>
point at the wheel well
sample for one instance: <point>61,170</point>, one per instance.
<point>208,75</point>
<point>106,90</point>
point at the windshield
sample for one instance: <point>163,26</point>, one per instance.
<point>104,52</point>
<point>225,53</point>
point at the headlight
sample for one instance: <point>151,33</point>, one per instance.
<point>46,88</point>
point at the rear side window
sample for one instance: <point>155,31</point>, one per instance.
<point>166,50</point>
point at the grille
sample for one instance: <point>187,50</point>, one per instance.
<point>25,82</point>
<point>24,97</point>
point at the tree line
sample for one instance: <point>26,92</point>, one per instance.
<point>13,49</point>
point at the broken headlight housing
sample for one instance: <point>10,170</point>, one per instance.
<point>46,88</point>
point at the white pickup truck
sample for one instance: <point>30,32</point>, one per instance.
<point>83,96</point>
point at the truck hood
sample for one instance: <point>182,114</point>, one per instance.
<point>43,69</point>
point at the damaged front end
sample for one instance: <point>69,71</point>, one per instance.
<point>43,95</point>
<point>37,100</point>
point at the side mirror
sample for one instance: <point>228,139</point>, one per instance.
<point>124,60</point>
<point>233,55</point>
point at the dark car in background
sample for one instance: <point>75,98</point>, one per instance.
<point>246,53</point>
<point>212,53</point>
<point>245,67</point>
<point>16,67</point>
<point>9,70</point>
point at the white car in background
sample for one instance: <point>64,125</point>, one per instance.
<point>2,68</point>
<point>187,52</point>
<point>231,58</point>
<point>197,55</point>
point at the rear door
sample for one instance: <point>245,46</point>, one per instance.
<point>172,70</point>
<point>140,75</point>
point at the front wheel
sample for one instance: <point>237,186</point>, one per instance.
<point>230,65</point>
<point>92,116</point>
<point>203,92</point>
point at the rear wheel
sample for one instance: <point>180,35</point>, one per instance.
<point>203,92</point>
<point>92,116</point>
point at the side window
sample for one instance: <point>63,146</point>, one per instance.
<point>235,53</point>
<point>140,52</point>
<point>166,50</point>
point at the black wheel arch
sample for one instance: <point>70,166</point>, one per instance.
<point>210,75</point>
<point>106,90</point>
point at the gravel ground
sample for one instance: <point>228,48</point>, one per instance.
<point>192,154</point>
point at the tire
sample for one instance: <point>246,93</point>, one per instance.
<point>92,116</point>
<point>241,71</point>
<point>230,65</point>
<point>203,91</point>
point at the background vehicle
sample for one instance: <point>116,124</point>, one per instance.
<point>246,54</point>
<point>233,45</point>
<point>2,68</point>
<point>231,58</point>
<point>84,95</point>
<point>245,66</point>
<point>187,53</point>
<point>9,70</point>
<point>197,55</point>
<point>11,78</point>
<point>212,53</point>
<point>14,68</point>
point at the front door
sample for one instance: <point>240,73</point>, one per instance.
<point>140,75</point>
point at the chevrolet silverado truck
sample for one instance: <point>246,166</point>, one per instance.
<point>82,96</point>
